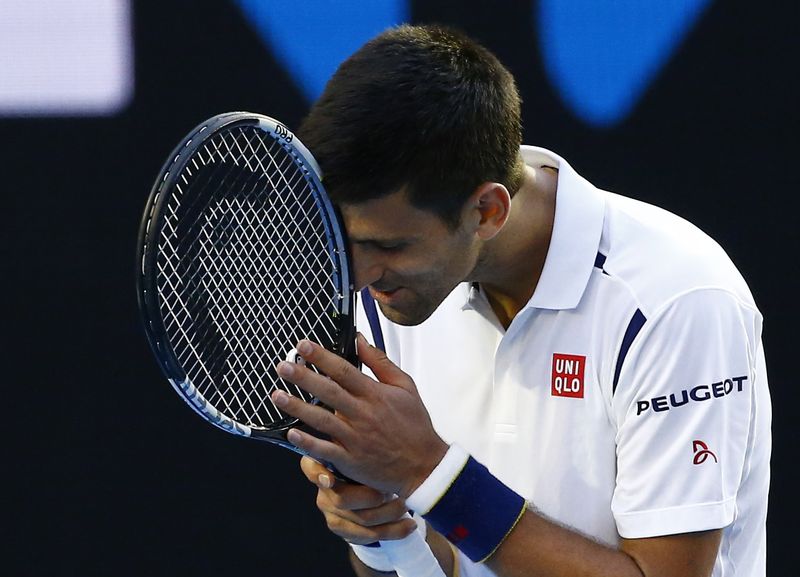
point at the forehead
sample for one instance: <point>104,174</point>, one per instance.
<point>391,216</point>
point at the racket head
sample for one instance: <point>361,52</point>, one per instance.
<point>240,255</point>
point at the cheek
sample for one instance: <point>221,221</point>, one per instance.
<point>446,269</point>
<point>445,262</point>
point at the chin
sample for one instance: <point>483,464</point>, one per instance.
<point>407,319</point>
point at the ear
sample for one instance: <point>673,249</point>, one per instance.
<point>490,205</point>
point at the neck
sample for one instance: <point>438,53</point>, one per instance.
<point>512,261</point>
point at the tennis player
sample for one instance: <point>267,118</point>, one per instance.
<point>575,381</point>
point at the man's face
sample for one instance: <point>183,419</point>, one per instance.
<point>410,259</point>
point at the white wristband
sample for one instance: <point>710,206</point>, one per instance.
<point>373,557</point>
<point>438,482</point>
<point>422,526</point>
<point>376,558</point>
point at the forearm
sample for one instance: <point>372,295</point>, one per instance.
<point>493,524</point>
<point>539,547</point>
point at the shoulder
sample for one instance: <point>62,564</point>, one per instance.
<point>660,256</point>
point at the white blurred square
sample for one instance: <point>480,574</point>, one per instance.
<point>62,57</point>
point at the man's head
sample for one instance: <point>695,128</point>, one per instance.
<point>417,135</point>
<point>420,109</point>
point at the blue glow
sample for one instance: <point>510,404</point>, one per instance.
<point>603,55</point>
<point>312,37</point>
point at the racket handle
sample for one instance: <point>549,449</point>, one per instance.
<point>411,557</point>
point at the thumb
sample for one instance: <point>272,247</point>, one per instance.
<point>317,473</point>
<point>380,365</point>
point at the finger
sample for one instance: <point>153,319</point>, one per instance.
<point>390,511</point>
<point>318,418</point>
<point>320,449</point>
<point>361,535</point>
<point>341,371</point>
<point>381,366</point>
<point>317,473</point>
<point>354,497</point>
<point>323,388</point>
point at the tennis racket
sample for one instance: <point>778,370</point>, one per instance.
<point>240,255</point>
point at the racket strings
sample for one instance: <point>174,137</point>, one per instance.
<point>239,285</point>
<point>235,332</point>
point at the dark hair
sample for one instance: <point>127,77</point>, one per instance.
<point>420,107</point>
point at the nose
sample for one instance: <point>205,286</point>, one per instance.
<point>365,267</point>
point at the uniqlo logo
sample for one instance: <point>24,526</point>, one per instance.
<point>567,376</point>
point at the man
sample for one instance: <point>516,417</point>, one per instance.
<point>575,383</point>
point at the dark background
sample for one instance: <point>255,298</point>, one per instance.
<point>108,473</point>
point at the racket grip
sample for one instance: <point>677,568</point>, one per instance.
<point>411,556</point>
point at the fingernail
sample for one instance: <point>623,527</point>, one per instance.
<point>325,481</point>
<point>294,436</point>
<point>280,398</point>
<point>304,347</point>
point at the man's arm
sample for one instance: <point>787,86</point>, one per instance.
<point>537,546</point>
<point>382,437</point>
<point>571,555</point>
<point>568,554</point>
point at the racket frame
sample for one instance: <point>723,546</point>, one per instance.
<point>146,262</point>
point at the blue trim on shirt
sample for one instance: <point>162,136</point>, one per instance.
<point>634,326</point>
<point>372,317</point>
<point>599,260</point>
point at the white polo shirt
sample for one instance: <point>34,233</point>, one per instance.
<point>629,397</point>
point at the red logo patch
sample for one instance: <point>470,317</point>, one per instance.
<point>701,452</point>
<point>459,533</point>
<point>567,376</point>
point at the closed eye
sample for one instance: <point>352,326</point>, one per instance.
<point>391,247</point>
<point>383,246</point>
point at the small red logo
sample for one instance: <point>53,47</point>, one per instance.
<point>459,533</point>
<point>701,452</point>
<point>567,376</point>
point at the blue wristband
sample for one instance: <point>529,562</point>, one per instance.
<point>477,512</point>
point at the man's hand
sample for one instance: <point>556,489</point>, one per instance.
<point>362,515</point>
<point>357,513</point>
<point>380,434</point>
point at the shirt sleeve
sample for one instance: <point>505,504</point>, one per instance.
<point>683,408</point>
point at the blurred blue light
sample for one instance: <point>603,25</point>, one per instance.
<point>312,37</point>
<point>602,56</point>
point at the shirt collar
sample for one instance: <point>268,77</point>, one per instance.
<point>578,224</point>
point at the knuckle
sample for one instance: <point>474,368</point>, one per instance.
<point>382,358</point>
<point>336,524</point>
<point>328,420</point>
<point>369,498</point>
<point>370,517</point>
<point>408,526</point>
<point>398,507</point>
<point>336,499</point>
<point>343,371</point>
<point>400,529</point>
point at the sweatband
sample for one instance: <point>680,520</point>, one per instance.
<point>464,502</point>
<point>372,557</point>
<point>375,558</point>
